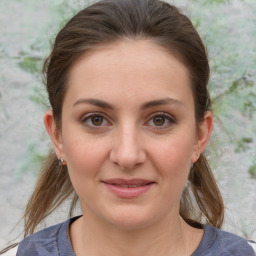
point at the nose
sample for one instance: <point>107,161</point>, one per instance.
<point>127,151</point>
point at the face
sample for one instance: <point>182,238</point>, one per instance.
<point>129,133</point>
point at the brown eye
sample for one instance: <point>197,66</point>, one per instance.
<point>159,120</point>
<point>97,120</point>
<point>94,120</point>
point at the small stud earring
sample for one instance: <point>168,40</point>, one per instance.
<point>61,162</point>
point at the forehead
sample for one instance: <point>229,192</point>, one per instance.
<point>126,67</point>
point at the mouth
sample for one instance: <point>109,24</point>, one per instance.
<point>128,188</point>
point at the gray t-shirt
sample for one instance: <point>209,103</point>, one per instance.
<point>54,241</point>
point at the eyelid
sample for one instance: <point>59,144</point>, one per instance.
<point>87,116</point>
<point>168,116</point>
<point>161,113</point>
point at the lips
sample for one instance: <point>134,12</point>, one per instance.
<point>128,188</point>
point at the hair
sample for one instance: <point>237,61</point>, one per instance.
<point>109,21</point>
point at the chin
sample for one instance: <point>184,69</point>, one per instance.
<point>132,220</point>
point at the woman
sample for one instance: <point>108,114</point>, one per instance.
<point>130,119</point>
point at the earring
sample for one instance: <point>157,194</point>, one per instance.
<point>61,162</point>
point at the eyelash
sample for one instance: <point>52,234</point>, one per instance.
<point>168,120</point>
<point>88,118</point>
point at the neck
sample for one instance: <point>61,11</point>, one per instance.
<point>170,236</point>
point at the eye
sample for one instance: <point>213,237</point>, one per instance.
<point>97,120</point>
<point>94,120</point>
<point>161,120</point>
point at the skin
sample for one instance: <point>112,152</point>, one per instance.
<point>145,128</point>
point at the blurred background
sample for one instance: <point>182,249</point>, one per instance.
<point>27,29</point>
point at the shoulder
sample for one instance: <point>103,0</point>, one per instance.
<point>47,242</point>
<point>222,243</point>
<point>40,243</point>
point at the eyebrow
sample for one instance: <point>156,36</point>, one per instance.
<point>95,102</point>
<point>149,104</point>
<point>165,101</point>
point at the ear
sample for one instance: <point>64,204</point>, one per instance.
<point>203,135</point>
<point>54,133</point>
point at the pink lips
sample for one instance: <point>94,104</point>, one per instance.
<point>128,188</point>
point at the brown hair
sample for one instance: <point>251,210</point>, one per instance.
<point>105,22</point>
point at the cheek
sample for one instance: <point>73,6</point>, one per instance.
<point>84,161</point>
<point>176,151</point>
<point>173,160</point>
<point>84,155</point>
